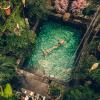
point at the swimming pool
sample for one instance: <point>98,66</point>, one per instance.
<point>59,59</point>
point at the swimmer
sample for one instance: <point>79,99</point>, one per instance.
<point>46,52</point>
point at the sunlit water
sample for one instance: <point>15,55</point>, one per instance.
<point>59,62</point>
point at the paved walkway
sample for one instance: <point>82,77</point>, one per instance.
<point>34,83</point>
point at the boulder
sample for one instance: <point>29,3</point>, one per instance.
<point>66,16</point>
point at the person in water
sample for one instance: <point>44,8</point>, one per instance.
<point>46,52</point>
<point>61,42</point>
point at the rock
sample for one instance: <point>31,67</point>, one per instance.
<point>94,66</point>
<point>52,76</point>
<point>66,16</point>
<point>88,83</point>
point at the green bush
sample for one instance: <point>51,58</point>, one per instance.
<point>55,91</point>
<point>36,8</point>
<point>89,11</point>
<point>80,93</point>
<point>7,69</point>
<point>8,91</point>
<point>95,75</point>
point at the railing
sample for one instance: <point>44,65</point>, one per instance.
<point>87,34</point>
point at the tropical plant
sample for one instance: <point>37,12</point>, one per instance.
<point>78,5</point>
<point>97,2</point>
<point>15,3</point>
<point>14,19</point>
<point>95,75</point>
<point>17,45</point>
<point>36,9</point>
<point>8,91</point>
<point>80,93</point>
<point>89,11</point>
<point>18,38</point>
<point>55,91</point>
<point>61,5</point>
<point>7,68</point>
<point>4,4</point>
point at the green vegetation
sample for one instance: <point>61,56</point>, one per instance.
<point>5,4</point>
<point>55,90</point>
<point>89,80</point>
<point>7,68</point>
<point>36,9</point>
<point>17,40</point>
<point>89,11</point>
<point>80,93</point>
<point>7,93</point>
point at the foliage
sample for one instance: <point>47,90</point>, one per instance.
<point>12,22</point>
<point>55,91</point>
<point>5,4</point>
<point>61,5</point>
<point>17,45</point>
<point>93,45</point>
<point>78,5</point>
<point>15,3</point>
<point>89,11</point>
<point>8,91</point>
<point>36,8</point>
<point>97,2</point>
<point>7,68</point>
<point>17,38</point>
<point>95,75</point>
<point>87,61</point>
<point>13,19</point>
<point>79,93</point>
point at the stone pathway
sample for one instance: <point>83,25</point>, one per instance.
<point>34,83</point>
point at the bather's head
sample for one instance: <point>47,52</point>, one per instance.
<point>62,42</point>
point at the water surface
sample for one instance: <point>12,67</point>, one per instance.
<point>58,62</point>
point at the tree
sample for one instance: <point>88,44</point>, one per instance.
<point>97,2</point>
<point>8,91</point>
<point>78,5</point>
<point>89,11</point>
<point>80,93</point>
<point>55,91</point>
<point>95,76</point>
<point>7,68</point>
<point>36,8</point>
<point>17,45</point>
<point>61,6</point>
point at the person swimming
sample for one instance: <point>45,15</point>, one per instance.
<point>46,52</point>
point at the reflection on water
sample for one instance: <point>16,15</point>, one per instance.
<point>59,61</point>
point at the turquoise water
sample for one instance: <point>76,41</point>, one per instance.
<point>59,62</point>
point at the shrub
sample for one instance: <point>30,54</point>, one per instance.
<point>61,5</point>
<point>79,93</point>
<point>78,5</point>
<point>7,69</point>
<point>55,91</point>
<point>89,11</point>
<point>36,8</point>
<point>8,91</point>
